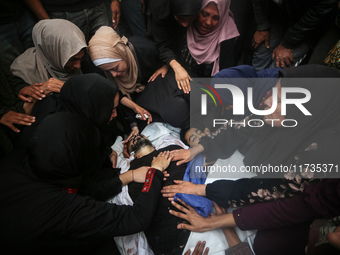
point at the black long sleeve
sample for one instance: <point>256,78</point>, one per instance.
<point>165,32</point>
<point>91,218</point>
<point>223,143</point>
<point>17,83</point>
<point>312,19</point>
<point>227,54</point>
<point>261,15</point>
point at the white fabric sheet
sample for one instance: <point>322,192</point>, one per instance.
<point>162,135</point>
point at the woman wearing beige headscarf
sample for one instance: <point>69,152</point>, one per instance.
<point>117,58</point>
<point>59,48</point>
<point>112,54</point>
<point>40,70</point>
<point>131,64</point>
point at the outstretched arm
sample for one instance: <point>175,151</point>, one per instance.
<point>185,155</point>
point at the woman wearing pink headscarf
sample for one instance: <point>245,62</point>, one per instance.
<point>211,38</point>
<point>210,42</point>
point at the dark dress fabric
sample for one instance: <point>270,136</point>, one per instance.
<point>227,58</point>
<point>161,98</point>
<point>9,102</point>
<point>277,145</point>
<point>69,6</point>
<point>89,95</point>
<point>242,76</point>
<point>166,31</point>
<point>38,212</point>
<point>92,97</point>
<point>311,142</point>
<point>162,234</point>
<point>305,20</point>
<point>245,77</point>
<point>277,221</point>
<point>146,56</point>
<point>166,102</point>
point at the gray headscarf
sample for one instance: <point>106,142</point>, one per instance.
<point>55,41</point>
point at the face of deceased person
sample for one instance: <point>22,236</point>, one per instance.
<point>207,19</point>
<point>74,62</point>
<point>117,69</point>
<point>277,113</point>
<point>193,136</point>
<point>137,142</point>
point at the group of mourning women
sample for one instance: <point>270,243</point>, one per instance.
<point>74,98</point>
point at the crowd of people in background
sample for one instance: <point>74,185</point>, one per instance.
<point>76,75</point>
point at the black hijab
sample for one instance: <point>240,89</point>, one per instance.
<point>187,7</point>
<point>277,146</point>
<point>169,8</point>
<point>91,96</point>
<point>62,150</point>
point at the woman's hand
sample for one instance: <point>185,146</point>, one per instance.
<point>183,187</point>
<point>188,213</point>
<point>10,118</point>
<point>136,108</point>
<point>199,223</point>
<point>182,77</point>
<point>162,161</point>
<point>161,71</point>
<point>141,111</point>
<point>198,249</point>
<point>52,85</point>
<point>134,131</point>
<point>185,155</point>
<point>219,210</point>
<point>261,37</point>
<point>115,10</point>
<point>283,56</point>
<point>32,91</point>
<point>166,175</point>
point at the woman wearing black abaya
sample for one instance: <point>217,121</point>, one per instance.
<point>96,98</point>
<point>93,97</point>
<point>40,209</point>
<point>315,140</point>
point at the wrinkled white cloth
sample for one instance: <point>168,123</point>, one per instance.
<point>216,240</point>
<point>162,135</point>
